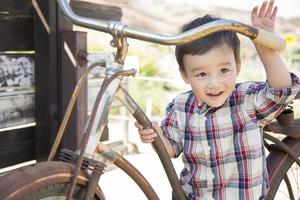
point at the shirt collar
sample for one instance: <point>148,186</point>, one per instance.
<point>203,107</point>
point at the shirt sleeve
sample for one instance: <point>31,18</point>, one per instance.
<point>265,103</point>
<point>170,129</point>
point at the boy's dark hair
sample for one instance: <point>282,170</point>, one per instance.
<point>204,44</point>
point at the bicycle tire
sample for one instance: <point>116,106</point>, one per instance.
<point>279,163</point>
<point>42,180</point>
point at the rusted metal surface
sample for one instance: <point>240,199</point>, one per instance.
<point>69,110</point>
<point>93,182</point>
<point>277,156</point>
<point>91,166</point>
<point>260,36</point>
<point>158,145</point>
<point>38,176</point>
<point>289,187</point>
<point>112,27</point>
<point>101,117</point>
<point>292,131</point>
<point>283,147</point>
<point>278,159</point>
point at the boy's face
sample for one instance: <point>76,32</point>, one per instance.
<point>212,75</point>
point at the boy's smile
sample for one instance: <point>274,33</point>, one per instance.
<point>212,75</point>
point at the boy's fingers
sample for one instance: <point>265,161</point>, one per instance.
<point>270,8</point>
<point>149,136</point>
<point>146,132</point>
<point>254,11</point>
<point>273,16</point>
<point>262,10</point>
<point>139,126</point>
<point>155,125</point>
<point>147,141</point>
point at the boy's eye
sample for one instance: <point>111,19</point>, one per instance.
<point>202,74</point>
<point>224,70</point>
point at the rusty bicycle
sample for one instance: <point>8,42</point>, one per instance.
<point>75,174</point>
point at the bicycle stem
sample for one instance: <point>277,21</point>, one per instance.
<point>260,36</point>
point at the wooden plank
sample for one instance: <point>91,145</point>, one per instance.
<point>16,34</point>
<point>16,89</point>
<point>16,108</point>
<point>71,71</point>
<point>16,25</point>
<point>12,7</point>
<point>16,146</point>
<point>97,11</point>
<point>46,75</point>
<point>16,70</point>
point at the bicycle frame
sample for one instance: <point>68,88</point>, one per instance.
<point>111,87</point>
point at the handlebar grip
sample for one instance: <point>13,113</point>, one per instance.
<point>270,40</point>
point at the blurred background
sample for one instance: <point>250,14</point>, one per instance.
<point>158,76</point>
<point>158,80</point>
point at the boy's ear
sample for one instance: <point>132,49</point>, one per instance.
<point>184,76</point>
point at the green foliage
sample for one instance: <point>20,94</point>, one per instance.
<point>95,48</point>
<point>142,91</point>
<point>149,68</point>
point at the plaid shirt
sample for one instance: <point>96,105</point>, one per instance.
<point>222,148</point>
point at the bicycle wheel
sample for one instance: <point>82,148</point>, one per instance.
<point>45,180</point>
<point>284,173</point>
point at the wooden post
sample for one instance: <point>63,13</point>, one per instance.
<point>48,21</point>
<point>55,74</point>
<point>71,69</point>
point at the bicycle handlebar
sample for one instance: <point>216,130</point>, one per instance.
<point>259,36</point>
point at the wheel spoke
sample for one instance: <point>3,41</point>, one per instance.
<point>283,193</point>
<point>289,187</point>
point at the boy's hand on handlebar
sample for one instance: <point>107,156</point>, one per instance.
<point>264,16</point>
<point>147,135</point>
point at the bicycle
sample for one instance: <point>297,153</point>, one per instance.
<point>76,174</point>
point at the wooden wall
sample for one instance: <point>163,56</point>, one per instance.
<point>16,34</point>
<point>16,25</point>
<point>30,37</point>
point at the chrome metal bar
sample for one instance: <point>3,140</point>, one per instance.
<point>95,124</point>
<point>120,30</point>
<point>127,100</point>
<point>69,110</point>
<point>113,27</point>
<point>101,112</point>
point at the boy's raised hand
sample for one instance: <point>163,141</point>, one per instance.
<point>264,16</point>
<point>147,135</point>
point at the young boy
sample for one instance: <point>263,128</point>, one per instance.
<point>218,125</point>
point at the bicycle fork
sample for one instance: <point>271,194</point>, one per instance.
<point>95,126</point>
